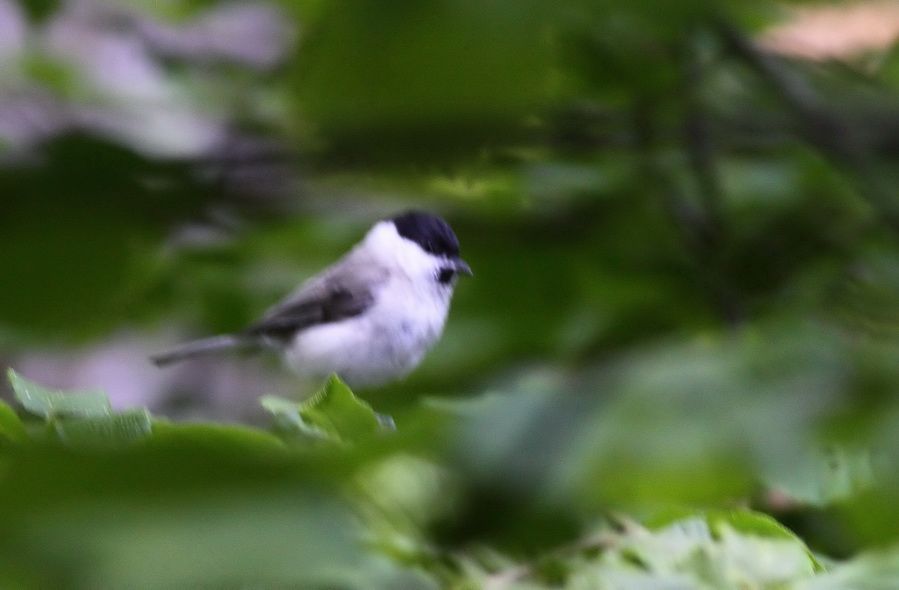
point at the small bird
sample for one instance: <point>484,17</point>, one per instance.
<point>370,317</point>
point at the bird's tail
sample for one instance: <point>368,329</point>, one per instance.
<point>204,347</point>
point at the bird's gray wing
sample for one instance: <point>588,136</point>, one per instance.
<point>344,291</point>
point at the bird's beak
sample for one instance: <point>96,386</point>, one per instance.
<point>462,268</point>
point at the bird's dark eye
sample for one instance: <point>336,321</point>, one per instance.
<point>445,275</point>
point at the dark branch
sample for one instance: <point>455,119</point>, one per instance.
<point>820,125</point>
<point>698,144</point>
<point>690,220</point>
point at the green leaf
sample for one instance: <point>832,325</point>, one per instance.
<point>108,431</point>
<point>749,523</point>
<point>11,426</point>
<point>48,403</point>
<point>334,413</point>
<point>743,521</point>
<point>689,553</point>
<point>229,438</point>
<point>338,411</point>
<point>828,476</point>
<point>870,571</point>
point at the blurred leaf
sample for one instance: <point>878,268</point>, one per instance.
<point>688,554</point>
<point>829,475</point>
<point>11,426</point>
<point>416,79</point>
<point>78,239</point>
<point>743,521</point>
<point>399,498</point>
<point>114,431</point>
<point>225,438</point>
<point>287,418</point>
<point>273,538</point>
<point>50,404</point>
<point>713,415</point>
<point>749,523</point>
<point>869,571</point>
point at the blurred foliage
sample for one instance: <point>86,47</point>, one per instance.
<point>226,506</point>
<point>682,336</point>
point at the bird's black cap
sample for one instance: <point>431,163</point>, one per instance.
<point>432,233</point>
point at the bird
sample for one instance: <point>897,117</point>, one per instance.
<point>370,318</point>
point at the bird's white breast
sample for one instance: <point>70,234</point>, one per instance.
<point>383,343</point>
